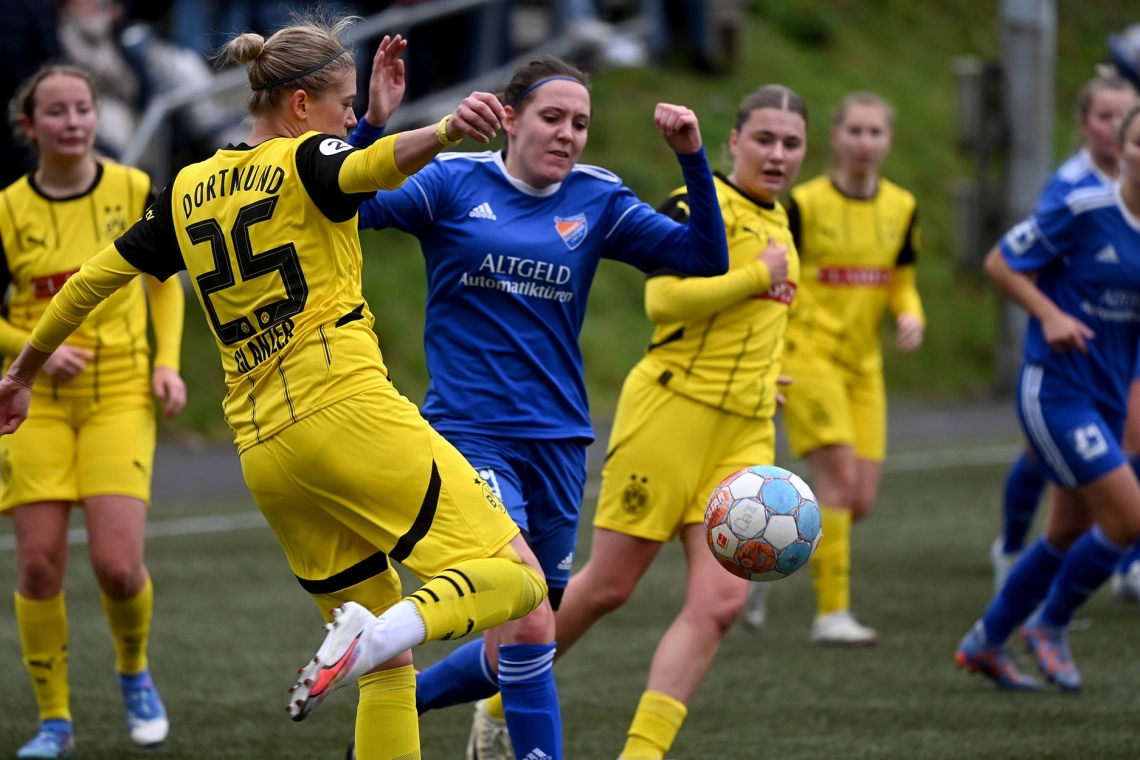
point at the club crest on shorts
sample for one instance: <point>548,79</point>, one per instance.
<point>635,497</point>
<point>572,229</point>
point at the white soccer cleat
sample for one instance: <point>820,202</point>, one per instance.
<point>842,629</point>
<point>489,738</point>
<point>1002,562</point>
<point>755,613</point>
<point>341,659</point>
<point>1126,586</point>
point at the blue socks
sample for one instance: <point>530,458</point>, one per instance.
<point>1023,487</point>
<point>1028,584</point>
<point>530,700</point>
<point>1087,565</point>
<point>463,676</point>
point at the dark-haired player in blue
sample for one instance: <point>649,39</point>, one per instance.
<point>512,241</point>
<point>1101,106</point>
<point>1075,267</point>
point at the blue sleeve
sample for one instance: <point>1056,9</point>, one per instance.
<point>365,134</point>
<point>640,236</point>
<point>412,208</point>
<point>1045,236</point>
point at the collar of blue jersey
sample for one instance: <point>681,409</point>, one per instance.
<point>1132,220</point>
<point>769,205</point>
<point>537,192</point>
<point>90,188</point>
<point>1091,164</point>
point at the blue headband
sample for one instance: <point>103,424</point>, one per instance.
<point>539,83</point>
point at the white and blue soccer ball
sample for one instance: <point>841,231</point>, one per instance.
<point>763,523</point>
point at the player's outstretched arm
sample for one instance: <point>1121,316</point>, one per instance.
<point>679,126</point>
<point>1062,332</point>
<point>387,84</point>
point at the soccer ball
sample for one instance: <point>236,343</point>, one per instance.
<point>763,523</point>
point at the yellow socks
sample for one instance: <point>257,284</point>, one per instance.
<point>494,707</point>
<point>831,565</point>
<point>655,726</point>
<point>43,636</point>
<point>387,725</point>
<point>130,628</point>
<point>478,594</point>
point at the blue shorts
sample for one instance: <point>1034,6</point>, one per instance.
<point>541,483</point>
<point>1076,439</point>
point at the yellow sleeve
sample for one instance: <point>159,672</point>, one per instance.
<point>98,280</point>
<point>12,338</point>
<point>373,168</point>
<point>673,299</point>
<point>167,312</point>
<point>904,297</point>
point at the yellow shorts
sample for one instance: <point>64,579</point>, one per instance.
<point>828,404</point>
<point>365,482</point>
<point>666,455</point>
<point>72,448</point>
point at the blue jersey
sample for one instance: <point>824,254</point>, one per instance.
<point>509,269</point>
<point>1086,251</point>
<point>1079,171</point>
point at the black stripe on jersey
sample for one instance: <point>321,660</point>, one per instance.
<point>253,410</point>
<point>95,215</point>
<point>369,567</point>
<point>761,398</point>
<point>151,245</point>
<point>325,343</point>
<point>285,386</point>
<point>676,207</point>
<point>795,222</point>
<point>700,346</point>
<point>95,361</point>
<point>672,337</point>
<point>424,519</point>
<point>352,316</point>
<point>75,196</point>
<point>320,174</point>
<point>12,216</point>
<point>735,366</point>
<point>5,278</point>
<point>907,253</point>
<point>54,225</point>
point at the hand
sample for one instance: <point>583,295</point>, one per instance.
<point>1064,333</point>
<point>479,116</point>
<point>782,381</point>
<point>14,400</point>
<point>170,390</point>
<point>386,87</point>
<point>776,257</point>
<point>679,127</point>
<point>910,330</point>
<point>66,362</point>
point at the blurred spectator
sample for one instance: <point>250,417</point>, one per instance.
<point>1125,49</point>
<point>127,70</point>
<point>206,25</point>
<point>29,40</point>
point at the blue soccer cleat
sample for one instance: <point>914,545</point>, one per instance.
<point>146,715</point>
<point>977,655</point>
<point>1050,646</point>
<point>54,740</point>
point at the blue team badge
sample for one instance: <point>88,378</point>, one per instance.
<point>573,229</point>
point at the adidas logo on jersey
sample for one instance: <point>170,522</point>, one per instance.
<point>568,563</point>
<point>483,211</point>
<point>537,754</point>
<point>1107,255</point>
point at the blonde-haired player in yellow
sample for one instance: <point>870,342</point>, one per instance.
<point>857,234</point>
<point>90,434</point>
<point>695,409</point>
<point>347,473</point>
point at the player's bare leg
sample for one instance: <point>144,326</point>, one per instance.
<point>836,481</point>
<point>615,566</point>
<point>116,529</point>
<point>713,600</point>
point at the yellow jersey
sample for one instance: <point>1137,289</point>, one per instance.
<point>270,241</point>
<point>45,240</point>
<point>858,257</point>
<point>719,340</point>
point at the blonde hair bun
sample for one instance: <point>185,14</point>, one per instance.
<point>245,48</point>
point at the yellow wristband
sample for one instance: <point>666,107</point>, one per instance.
<point>441,133</point>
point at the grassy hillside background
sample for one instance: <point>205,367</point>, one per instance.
<point>899,48</point>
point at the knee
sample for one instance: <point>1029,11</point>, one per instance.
<point>607,596</point>
<point>724,607</point>
<point>537,627</point>
<point>861,506</point>
<point>40,575</point>
<point>118,578</point>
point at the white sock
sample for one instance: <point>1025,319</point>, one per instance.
<point>400,628</point>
